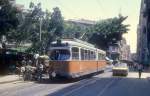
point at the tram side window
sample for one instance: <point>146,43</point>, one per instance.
<point>101,56</point>
<point>82,54</point>
<point>86,55</point>
<point>89,57</point>
<point>75,53</point>
<point>92,55</point>
<point>58,54</point>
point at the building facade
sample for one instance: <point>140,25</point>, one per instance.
<point>143,34</point>
<point>82,26</point>
<point>114,51</point>
<point>119,51</point>
<point>125,50</point>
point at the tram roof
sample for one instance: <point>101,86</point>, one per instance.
<point>78,43</point>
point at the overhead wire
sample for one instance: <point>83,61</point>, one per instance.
<point>101,7</point>
<point>66,8</point>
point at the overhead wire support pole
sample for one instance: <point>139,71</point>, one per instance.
<point>40,29</point>
<point>40,35</point>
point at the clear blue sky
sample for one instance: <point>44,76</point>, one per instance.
<point>96,10</point>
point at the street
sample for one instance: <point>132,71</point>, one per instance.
<point>100,85</point>
<point>44,42</point>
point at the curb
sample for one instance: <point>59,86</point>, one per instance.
<point>9,81</point>
<point>148,78</point>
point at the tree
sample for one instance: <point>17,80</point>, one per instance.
<point>19,35</point>
<point>56,24</point>
<point>108,31</point>
<point>31,27</point>
<point>55,27</point>
<point>71,30</point>
<point>8,17</point>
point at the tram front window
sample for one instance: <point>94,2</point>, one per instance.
<point>60,54</point>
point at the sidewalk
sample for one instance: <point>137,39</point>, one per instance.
<point>9,78</point>
<point>147,70</point>
<point>136,75</point>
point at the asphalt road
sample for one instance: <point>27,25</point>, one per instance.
<point>100,85</point>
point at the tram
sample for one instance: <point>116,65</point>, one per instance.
<point>72,58</point>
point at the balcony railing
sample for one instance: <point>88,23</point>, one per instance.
<point>114,50</point>
<point>147,2</point>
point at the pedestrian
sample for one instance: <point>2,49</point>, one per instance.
<point>40,68</point>
<point>140,70</point>
<point>135,66</point>
<point>36,59</point>
<point>22,68</point>
<point>22,71</point>
<point>28,71</point>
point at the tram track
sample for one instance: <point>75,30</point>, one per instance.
<point>98,87</point>
<point>32,88</point>
<point>44,88</point>
<point>74,87</point>
<point>25,87</point>
<point>85,85</point>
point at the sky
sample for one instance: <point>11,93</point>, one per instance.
<point>97,10</point>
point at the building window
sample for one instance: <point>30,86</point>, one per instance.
<point>144,30</point>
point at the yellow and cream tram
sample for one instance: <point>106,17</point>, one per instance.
<point>73,58</point>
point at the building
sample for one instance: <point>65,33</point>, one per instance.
<point>12,2</point>
<point>143,34</point>
<point>19,7</point>
<point>134,57</point>
<point>125,50</point>
<point>82,22</point>
<point>114,51</point>
<point>81,28</point>
<point>119,51</point>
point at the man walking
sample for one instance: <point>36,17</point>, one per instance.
<point>140,70</point>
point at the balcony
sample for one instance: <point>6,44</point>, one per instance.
<point>114,49</point>
<point>147,2</point>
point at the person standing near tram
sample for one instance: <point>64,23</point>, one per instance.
<point>28,71</point>
<point>40,68</point>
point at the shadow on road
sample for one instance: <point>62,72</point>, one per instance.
<point>61,80</point>
<point>115,87</point>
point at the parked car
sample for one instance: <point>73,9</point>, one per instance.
<point>120,70</point>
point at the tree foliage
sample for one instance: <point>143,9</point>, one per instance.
<point>108,31</point>
<point>72,31</point>
<point>56,24</point>
<point>76,30</point>
<point>51,27</point>
<point>34,19</point>
<point>24,27</point>
<point>8,18</point>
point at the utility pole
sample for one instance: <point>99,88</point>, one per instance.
<point>40,36</point>
<point>40,29</point>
